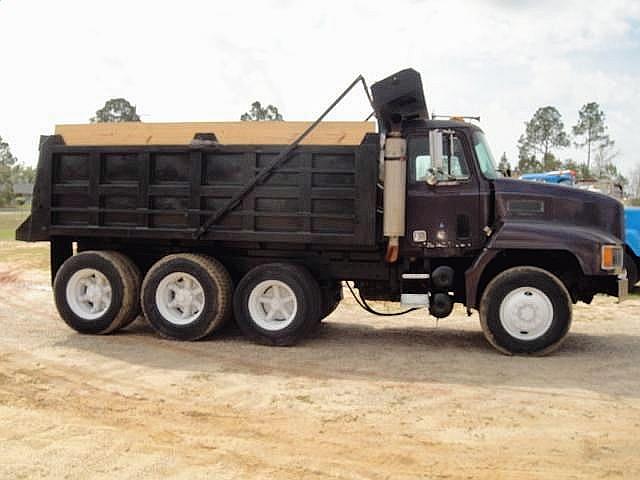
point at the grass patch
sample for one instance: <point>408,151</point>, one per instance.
<point>25,256</point>
<point>9,221</point>
<point>20,254</point>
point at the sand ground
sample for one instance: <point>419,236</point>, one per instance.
<point>390,398</point>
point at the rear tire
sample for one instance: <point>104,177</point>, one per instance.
<point>277,304</point>
<point>136,279</point>
<point>187,296</point>
<point>525,310</point>
<point>95,292</point>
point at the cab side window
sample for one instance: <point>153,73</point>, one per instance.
<point>454,166</point>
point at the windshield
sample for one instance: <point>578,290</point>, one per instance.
<point>485,158</point>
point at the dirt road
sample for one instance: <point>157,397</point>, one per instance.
<point>366,398</point>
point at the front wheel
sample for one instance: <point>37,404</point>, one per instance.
<point>632,270</point>
<point>525,310</point>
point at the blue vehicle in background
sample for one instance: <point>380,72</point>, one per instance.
<point>632,239</point>
<point>631,214</point>
<point>561,177</point>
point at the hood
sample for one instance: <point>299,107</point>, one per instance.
<point>533,201</point>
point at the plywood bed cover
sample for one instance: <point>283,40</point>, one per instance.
<point>227,133</point>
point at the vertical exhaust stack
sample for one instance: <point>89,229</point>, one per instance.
<point>395,185</point>
<point>396,99</point>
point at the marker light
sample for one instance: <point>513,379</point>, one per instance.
<point>612,257</point>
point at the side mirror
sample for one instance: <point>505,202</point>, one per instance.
<point>431,179</point>
<point>435,149</point>
<point>435,152</point>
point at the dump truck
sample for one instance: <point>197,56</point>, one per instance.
<point>264,222</point>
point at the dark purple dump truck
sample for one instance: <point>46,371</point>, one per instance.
<point>195,234</point>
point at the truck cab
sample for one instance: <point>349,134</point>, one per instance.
<point>518,252</point>
<point>460,206</point>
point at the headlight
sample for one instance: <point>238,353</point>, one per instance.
<point>612,257</point>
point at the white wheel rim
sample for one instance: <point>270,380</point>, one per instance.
<point>89,293</point>
<point>526,313</point>
<point>273,305</point>
<point>180,298</point>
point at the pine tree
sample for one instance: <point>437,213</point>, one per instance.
<point>116,110</point>
<point>258,113</point>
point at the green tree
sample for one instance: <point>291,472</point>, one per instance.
<point>12,172</point>
<point>23,174</point>
<point>7,163</point>
<point>603,159</point>
<point>581,170</point>
<point>584,172</point>
<point>634,185</point>
<point>543,133</point>
<point>551,162</point>
<point>258,113</point>
<point>529,164</point>
<point>570,164</point>
<point>504,164</point>
<point>116,110</point>
<point>590,131</point>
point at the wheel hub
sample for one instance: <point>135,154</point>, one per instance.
<point>180,298</point>
<point>88,293</point>
<point>273,305</point>
<point>526,313</point>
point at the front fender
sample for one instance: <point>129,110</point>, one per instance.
<point>582,242</point>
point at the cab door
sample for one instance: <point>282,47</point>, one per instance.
<point>443,200</point>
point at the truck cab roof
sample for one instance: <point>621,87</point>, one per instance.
<point>421,125</point>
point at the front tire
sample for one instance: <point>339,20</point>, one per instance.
<point>187,296</point>
<point>525,310</point>
<point>277,304</point>
<point>632,270</point>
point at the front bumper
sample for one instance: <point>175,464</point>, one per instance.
<point>623,286</point>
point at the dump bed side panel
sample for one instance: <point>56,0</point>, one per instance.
<point>322,194</point>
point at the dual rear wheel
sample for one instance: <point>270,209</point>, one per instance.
<point>97,292</point>
<point>187,296</point>
<point>277,303</point>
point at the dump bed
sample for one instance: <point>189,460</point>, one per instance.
<point>324,194</point>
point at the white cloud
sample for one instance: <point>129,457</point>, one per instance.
<point>198,60</point>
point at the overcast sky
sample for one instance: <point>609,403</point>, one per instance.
<point>203,60</point>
